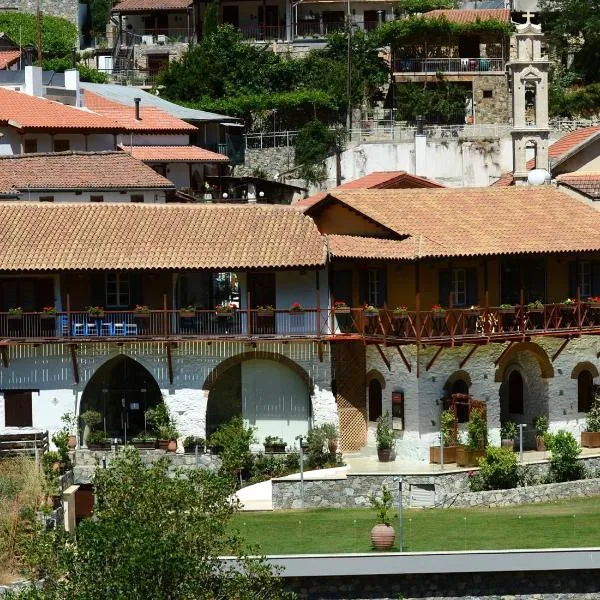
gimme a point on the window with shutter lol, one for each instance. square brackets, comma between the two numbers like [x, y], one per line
[17, 408]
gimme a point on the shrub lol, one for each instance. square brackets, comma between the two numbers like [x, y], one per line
[91, 418]
[384, 507]
[96, 437]
[477, 431]
[316, 454]
[447, 427]
[61, 440]
[498, 470]
[592, 421]
[235, 439]
[541, 425]
[508, 431]
[564, 463]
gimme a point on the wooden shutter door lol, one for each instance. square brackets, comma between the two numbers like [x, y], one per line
[17, 409]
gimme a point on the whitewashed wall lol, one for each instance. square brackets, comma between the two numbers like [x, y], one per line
[150, 196]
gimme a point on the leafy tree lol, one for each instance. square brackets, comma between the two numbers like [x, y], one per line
[59, 36]
[99, 16]
[565, 451]
[233, 439]
[314, 143]
[422, 6]
[60, 65]
[154, 535]
[211, 19]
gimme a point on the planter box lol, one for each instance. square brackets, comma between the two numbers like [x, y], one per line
[264, 313]
[187, 314]
[468, 458]
[275, 448]
[400, 316]
[101, 446]
[438, 315]
[145, 445]
[590, 439]
[506, 311]
[342, 311]
[141, 315]
[371, 315]
[435, 454]
[192, 449]
[14, 317]
[225, 314]
[47, 316]
[472, 312]
[96, 315]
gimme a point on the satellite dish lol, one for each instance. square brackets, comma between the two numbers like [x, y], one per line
[538, 177]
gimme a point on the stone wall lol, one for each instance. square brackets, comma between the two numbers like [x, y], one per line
[494, 108]
[448, 489]
[67, 9]
[541, 585]
[270, 161]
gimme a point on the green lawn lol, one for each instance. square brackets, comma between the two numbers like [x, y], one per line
[574, 523]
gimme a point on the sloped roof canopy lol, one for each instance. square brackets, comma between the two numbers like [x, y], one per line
[111, 236]
[467, 222]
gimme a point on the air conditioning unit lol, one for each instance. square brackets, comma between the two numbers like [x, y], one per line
[147, 40]
[161, 39]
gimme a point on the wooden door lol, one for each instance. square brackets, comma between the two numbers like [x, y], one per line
[261, 287]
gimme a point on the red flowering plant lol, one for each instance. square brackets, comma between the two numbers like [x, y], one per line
[141, 309]
[226, 308]
[400, 310]
[436, 308]
[594, 300]
[371, 310]
[296, 307]
[49, 310]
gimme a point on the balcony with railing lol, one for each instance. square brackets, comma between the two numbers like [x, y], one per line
[442, 326]
[449, 65]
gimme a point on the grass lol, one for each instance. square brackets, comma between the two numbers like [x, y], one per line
[568, 524]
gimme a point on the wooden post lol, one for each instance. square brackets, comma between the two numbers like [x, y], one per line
[249, 313]
[418, 316]
[165, 316]
[318, 305]
[68, 498]
[521, 308]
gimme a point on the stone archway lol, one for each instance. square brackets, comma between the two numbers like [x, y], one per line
[270, 391]
[538, 354]
[121, 390]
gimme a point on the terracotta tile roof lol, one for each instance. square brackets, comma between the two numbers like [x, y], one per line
[587, 184]
[146, 5]
[68, 236]
[566, 144]
[377, 180]
[470, 15]
[174, 154]
[478, 221]
[78, 170]
[152, 119]
[505, 180]
[353, 246]
[8, 58]
[32, 113]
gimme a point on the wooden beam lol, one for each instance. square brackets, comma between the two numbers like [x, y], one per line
[503, 353]
[435, 356]
[170, 363]
[320, 351]
[463, 362]
[384, 358]
[404, 360]
[73, 348]
[562, 347]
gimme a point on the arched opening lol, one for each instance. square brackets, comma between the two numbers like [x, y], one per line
[515, 393]
[375, 400]
[585, 391]
[271, 396]
[530, 103]
[121, 390]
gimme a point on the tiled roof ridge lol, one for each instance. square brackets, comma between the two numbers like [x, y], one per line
[64, 153]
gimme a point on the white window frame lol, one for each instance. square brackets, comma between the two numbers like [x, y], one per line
[122, 289]
[373, 276]
[584, 278]
[458, 287]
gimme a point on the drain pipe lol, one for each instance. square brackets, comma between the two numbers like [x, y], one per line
[137, 108]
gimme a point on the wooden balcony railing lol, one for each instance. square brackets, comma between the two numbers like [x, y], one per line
[493, 324]
[448, 65]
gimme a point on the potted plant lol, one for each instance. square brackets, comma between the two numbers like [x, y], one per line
[161, 421]
[590, 438]
[274, 444]
[187, 312]
[61, 440]
[567, 305]
[438, 312]
[141, 311]
[447, 428]
[541, 425]
[296, 307]
[90, 419]
[508, 433]
[15, 312]
[191, 442]
[95, 311]
[385, 438]
[469, 454]
[594, 302]
[535, 307]
[332, 435]
[96, 440]
[144, 440]
[167, 437]
[265, 311]
[370, 311]
[506, 309]
[70, 426]
[400, 312]
[341, 308]
[473, 311]
[383, 534]
[48, 312]
[225, 310]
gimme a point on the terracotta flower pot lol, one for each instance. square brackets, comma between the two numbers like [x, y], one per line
[332, 446]
[435, 454]
[72, 442]
[172, 446]
[382, 536]
[539, 443]
[510, 444]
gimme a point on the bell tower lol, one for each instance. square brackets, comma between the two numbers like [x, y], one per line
[529, 79]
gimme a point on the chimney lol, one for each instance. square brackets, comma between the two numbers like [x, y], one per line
[33, 81]
[137, 108]
[72, 83]
[420, 148]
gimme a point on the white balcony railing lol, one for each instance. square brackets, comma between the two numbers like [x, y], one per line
[448, 65]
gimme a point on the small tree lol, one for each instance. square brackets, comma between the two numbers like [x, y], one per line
[498, 470]
[154, 535]
[234, 440]
[565, 451]
[447, 427]
[592, 421]
[384, 507]
[477, 430]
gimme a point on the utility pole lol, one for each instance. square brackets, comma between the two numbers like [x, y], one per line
[39, 32]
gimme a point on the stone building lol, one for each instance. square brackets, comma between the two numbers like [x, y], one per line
[67, 9]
